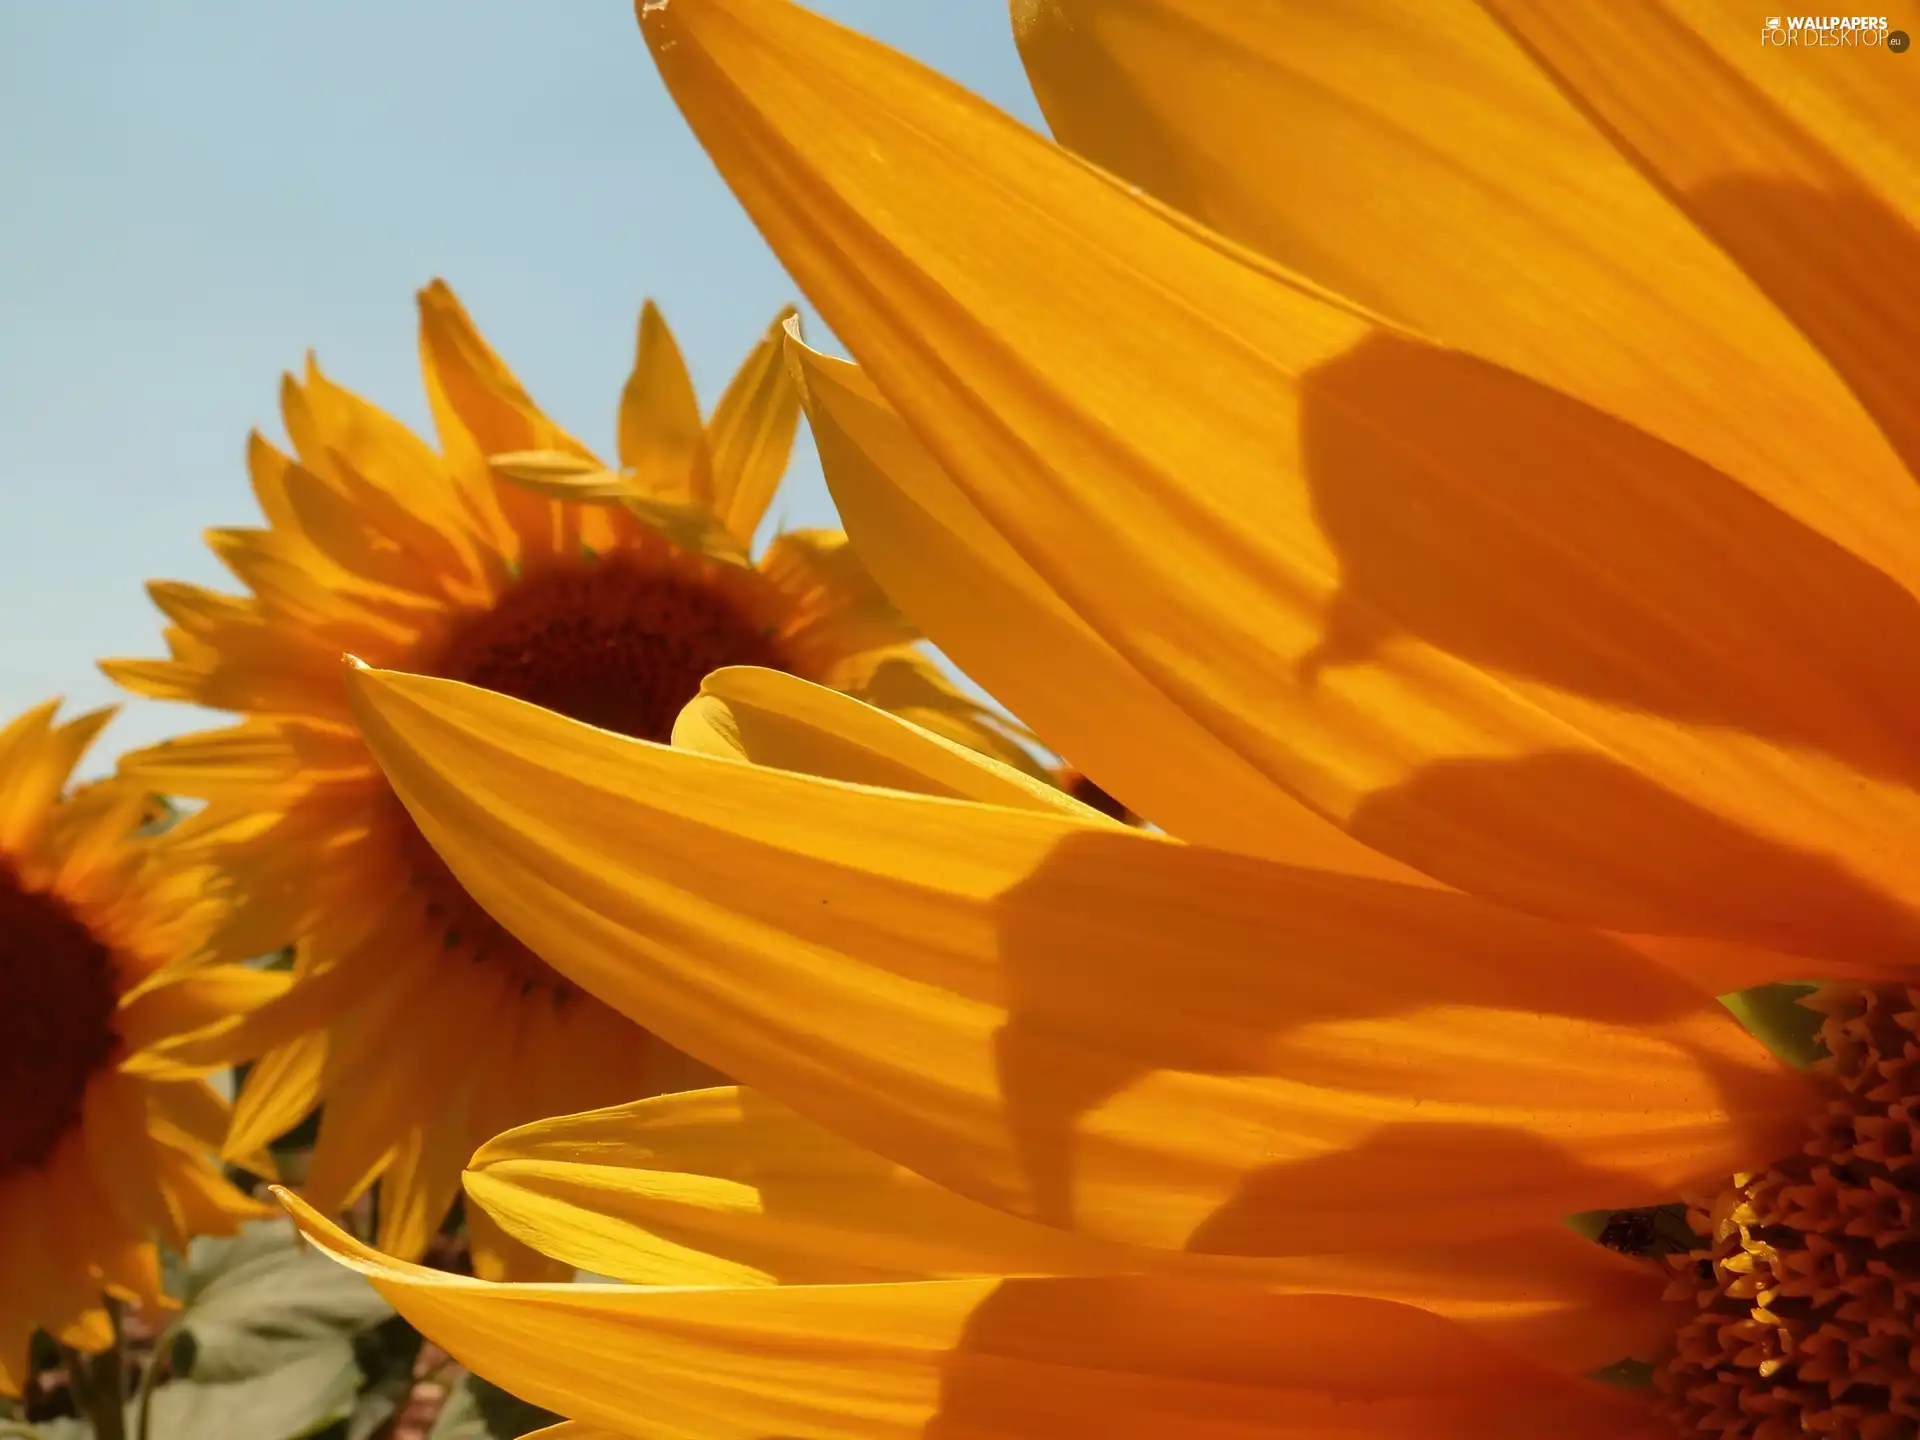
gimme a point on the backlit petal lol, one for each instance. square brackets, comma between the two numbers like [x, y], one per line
[728, 1187]
[751, 433]
[663, 443]
[1134, 1356]
[1644, 696]
[771, 718]
[1448, 184]
[970, 593]
[1798, 161]
[983, 995]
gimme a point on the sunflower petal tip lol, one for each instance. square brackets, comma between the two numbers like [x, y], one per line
[652, 15]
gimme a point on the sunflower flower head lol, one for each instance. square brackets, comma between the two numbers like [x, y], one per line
[510, 559]
[102, 1153]
[1493, 575]
[1804, 1277]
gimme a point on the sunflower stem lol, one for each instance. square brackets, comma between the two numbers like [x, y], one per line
[99, 1381]
[149, 1382]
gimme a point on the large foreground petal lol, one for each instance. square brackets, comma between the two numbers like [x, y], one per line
[1797, 159]
[1447, 183]
[1083, 1023]
[729, 1187]
[1131, 1356]
[970, 592]
[1644, 695]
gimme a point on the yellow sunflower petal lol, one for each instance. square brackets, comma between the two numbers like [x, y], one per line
[1800, 165]
[42, 1287]
[910, 683]
[835, 609]
[195, 1111]
[970, 592]
[253, 762]
[23, 736]
[193, 1000]
[360, 438]
[663, 444]
[728, 1187]
[1119, 1357]
[1514, 230]
[981, 994]
[751, 433]
[282, 1089]
[207, 1204]
[555, 473]
[445, 1060]
[31, 784]
[564, 475]
[235, 1018]
[121, 1147]
[371, 1049]
[770, 718]
[481, 409]
[193, 1108]
[94, 1233]
[1643, 696]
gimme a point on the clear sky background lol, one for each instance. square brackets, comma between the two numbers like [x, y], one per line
[192, 195]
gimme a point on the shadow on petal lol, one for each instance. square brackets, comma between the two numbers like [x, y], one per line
[1647, 859]
[1539, 538]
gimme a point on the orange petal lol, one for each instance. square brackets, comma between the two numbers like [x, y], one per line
[982, 994]
[1123, 1357]
[1646, 696]
[1798, 160]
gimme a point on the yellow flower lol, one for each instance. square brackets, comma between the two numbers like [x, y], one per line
[1490, 554]
[101, 1151]
[422, 1026]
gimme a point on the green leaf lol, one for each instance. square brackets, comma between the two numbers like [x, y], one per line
[311, 1390]
[261, 1298]
[264, 1348]
[63, 1429]
[478, 1409]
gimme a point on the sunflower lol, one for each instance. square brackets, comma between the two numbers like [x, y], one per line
[102, 1151]
[1451, 469]
[422, 1026]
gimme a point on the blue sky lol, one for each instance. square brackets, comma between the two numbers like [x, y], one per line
[197, 194]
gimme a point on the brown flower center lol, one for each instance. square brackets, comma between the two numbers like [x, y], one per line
[57, 999]
[621, 642]
[1806, 1280]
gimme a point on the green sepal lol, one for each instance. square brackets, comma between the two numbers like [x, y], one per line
[1775, 1016]
[1625, 1374]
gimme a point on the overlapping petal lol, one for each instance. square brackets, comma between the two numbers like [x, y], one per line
[729, 1187]
[767, 717]
[1797, 161]
[1125, 1356]
[1539, 246]
[967, 587]
[1644, 694]
[981, 994]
